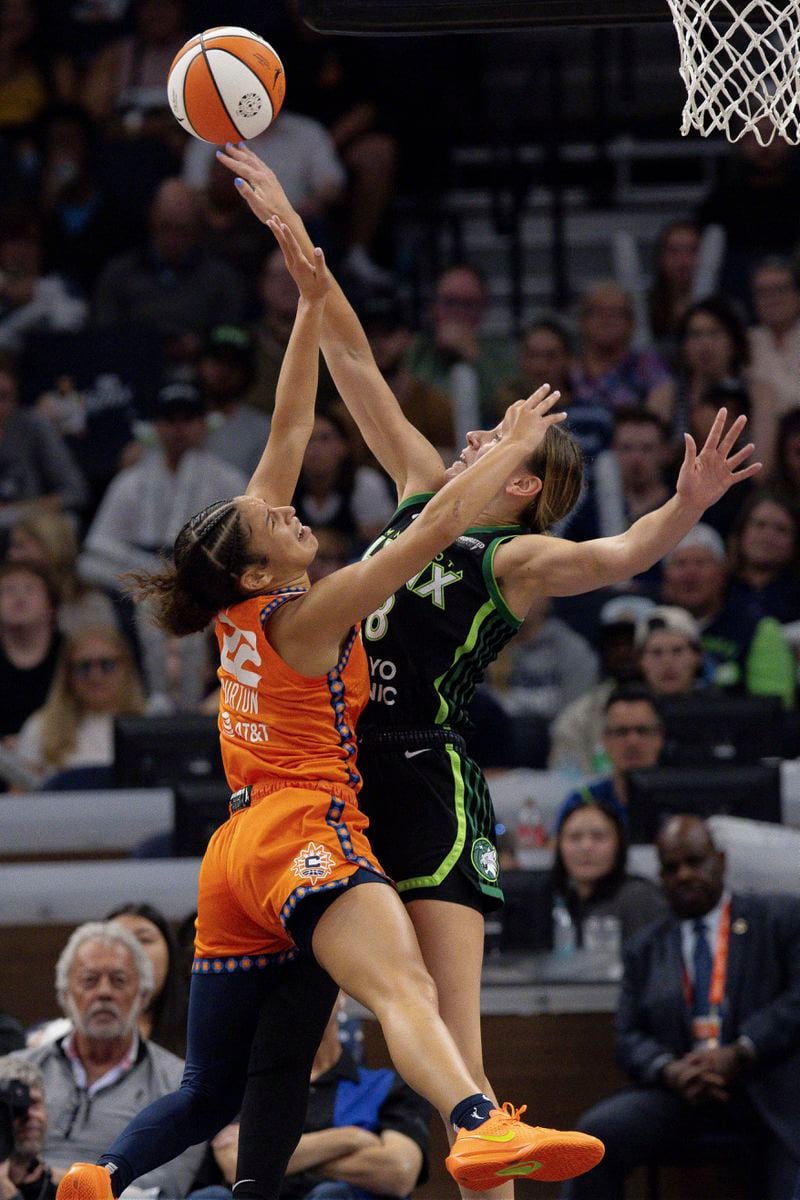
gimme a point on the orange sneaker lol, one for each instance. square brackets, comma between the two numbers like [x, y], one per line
[504, 1147]
[85, 1181]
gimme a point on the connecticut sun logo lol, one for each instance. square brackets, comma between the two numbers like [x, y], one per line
[313, 863]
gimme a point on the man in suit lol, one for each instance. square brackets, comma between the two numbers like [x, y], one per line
[708, 1026]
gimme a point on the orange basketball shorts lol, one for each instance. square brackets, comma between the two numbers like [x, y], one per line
[293, 840]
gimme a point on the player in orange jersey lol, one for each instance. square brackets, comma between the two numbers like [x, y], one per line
[292, 903]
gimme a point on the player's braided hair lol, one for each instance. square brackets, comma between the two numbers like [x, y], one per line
[209, 555]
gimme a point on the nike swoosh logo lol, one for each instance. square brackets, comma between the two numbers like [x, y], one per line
[494, 1137]
[414, 753]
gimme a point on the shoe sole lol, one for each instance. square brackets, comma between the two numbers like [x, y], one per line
[554, 1161]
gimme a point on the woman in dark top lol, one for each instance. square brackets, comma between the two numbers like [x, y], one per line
[589, 875]
[765, 555]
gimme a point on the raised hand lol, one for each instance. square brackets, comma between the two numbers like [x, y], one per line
[527, 421]
[257, 183]
[311, 277]
[706, 476]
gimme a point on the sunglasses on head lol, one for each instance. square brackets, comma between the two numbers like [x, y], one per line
[82, 667]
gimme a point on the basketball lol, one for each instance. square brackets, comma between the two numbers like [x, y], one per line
[226, 85]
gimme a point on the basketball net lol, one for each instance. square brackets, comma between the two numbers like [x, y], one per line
[741, 68]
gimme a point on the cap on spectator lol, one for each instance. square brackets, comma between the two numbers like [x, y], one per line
[625, 610]
[667, 616]
[703, 536]
[179, 399]
[231, 343]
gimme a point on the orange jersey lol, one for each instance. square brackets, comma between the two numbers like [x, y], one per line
[275, 723]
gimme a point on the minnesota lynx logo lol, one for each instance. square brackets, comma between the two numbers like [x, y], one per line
[432, 580]
[484, 859]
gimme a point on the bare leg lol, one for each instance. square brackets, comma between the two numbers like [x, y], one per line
[440, 925]
[366, 943]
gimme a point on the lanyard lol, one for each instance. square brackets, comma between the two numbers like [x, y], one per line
[719, 968]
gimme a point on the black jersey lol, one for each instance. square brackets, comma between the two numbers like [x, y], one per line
[429, 644]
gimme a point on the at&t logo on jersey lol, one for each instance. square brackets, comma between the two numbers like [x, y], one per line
[313, 863]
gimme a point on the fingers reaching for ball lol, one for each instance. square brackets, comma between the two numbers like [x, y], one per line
[311, 277]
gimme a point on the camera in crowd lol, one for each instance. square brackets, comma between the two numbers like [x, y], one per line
[15, 1100]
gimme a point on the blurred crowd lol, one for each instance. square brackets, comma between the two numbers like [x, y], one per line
[143, 318]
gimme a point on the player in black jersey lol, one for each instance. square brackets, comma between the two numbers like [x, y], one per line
[431, 820]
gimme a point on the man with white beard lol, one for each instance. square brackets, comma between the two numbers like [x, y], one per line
[101, 1073]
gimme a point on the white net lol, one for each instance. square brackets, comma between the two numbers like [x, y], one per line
[741, 67]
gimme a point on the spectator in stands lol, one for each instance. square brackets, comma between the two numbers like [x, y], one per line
[627, 481]
[428, 408]
[609, 371]
[544, 668]
[775, 340]
[677, 255]
[170, 285]
[95, 681]
[36, 469]
[670, 654]
[744, 650]
[735, 398]
[49, 539]
[546, 355]
[344, 87]
[228, 234]
[786, 478]
[765, 557]
[237, 432]
[23, 86]
[163, 1020]
[81, 229]
[127, 77]
[334, 550]
[456, 356]
[577, 734]
[146, 504]
[759, 180]
[101, 1073]
[633, 737]
[24, 1175]
[589, 874]
[138, 520]
[31, 301]
[271, 331]
[366, 1133]
[707, 1052]
[29, 642]
[713, 350]
[334, 493]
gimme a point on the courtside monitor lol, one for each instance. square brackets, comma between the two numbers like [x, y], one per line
[705, 728]
[166, 751]
[655, 795]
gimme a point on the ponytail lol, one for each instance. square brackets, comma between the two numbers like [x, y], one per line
[558, 462]
[209, 556]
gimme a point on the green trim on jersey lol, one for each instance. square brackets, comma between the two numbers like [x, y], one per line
[472, 808]
[482, 615]
[444, 869]
[415, 499]
[494, 588]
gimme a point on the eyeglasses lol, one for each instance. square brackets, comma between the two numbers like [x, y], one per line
[621, 731]
[82, 667]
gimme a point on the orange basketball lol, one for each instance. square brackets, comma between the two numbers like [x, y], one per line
[226, 85]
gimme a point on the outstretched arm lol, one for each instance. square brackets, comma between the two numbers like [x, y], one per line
[311, 630]
[275, 477]
[403, 452]
[536, 565]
